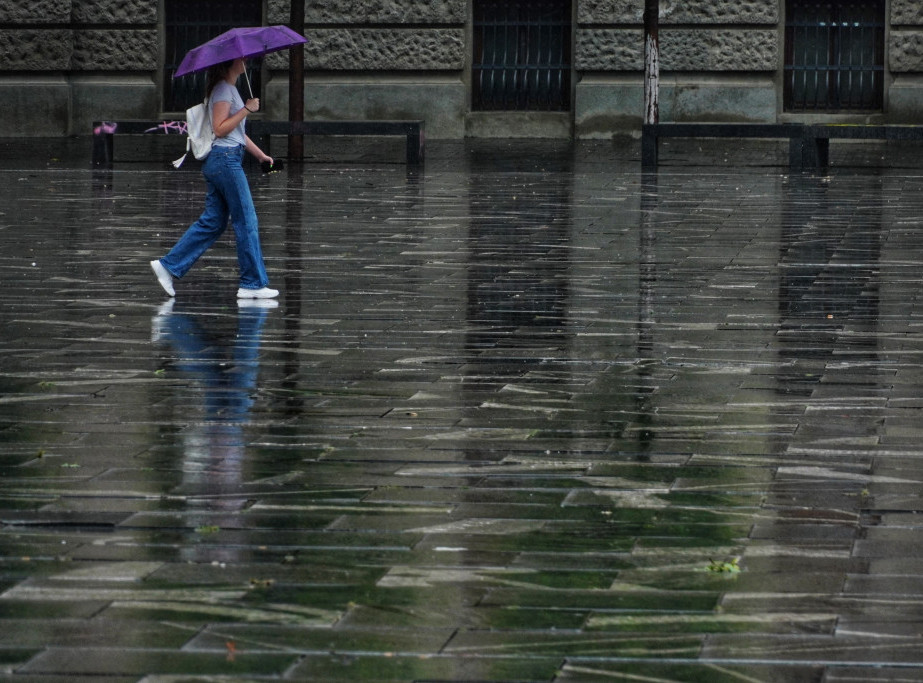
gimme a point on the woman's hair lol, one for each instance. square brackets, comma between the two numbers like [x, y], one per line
[216, 74]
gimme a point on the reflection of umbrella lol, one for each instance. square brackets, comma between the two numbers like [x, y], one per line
[239, 43]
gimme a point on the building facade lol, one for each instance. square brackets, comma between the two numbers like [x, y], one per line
[483, 68]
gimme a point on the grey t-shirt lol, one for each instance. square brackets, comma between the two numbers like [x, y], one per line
[225, 92]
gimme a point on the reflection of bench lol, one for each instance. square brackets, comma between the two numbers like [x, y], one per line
[809, 144]
[412, 130]
[104, 133]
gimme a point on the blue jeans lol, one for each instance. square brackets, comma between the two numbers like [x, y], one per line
[228, 197]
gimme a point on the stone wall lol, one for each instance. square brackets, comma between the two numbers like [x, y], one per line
[726, 53]
[905, 62]
[386, 59]
[65, 63]
[400, 58]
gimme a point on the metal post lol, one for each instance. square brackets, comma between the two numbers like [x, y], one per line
[296, 82]
[651, 61]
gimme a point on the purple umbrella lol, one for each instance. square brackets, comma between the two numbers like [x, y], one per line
[239, 43]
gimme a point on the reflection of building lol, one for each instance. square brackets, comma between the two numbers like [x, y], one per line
[517, 337]
[551, 68]
[828, 287]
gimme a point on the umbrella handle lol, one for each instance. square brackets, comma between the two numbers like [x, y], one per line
[248, 83]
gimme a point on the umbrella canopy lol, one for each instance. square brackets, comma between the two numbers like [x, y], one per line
[239, 43]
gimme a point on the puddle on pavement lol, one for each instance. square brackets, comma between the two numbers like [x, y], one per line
[507, 411]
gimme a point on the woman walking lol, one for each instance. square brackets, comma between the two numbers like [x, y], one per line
[228, 193]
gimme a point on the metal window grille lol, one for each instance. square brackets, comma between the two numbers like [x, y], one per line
[522, 55]
[834, 55]
[192, 22]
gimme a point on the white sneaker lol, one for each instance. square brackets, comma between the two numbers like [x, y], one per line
[262, 293]
[163, 277]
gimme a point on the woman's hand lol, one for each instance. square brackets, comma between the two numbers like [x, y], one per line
[253, 104]
[254, 149]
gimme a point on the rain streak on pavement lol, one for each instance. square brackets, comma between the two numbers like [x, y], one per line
[522, 415]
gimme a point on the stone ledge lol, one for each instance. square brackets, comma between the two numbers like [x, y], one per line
[441, 104]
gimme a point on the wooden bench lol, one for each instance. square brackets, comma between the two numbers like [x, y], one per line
[104, 133]
[413, 131]
[799, 157]
[809, 144]
[821, 134]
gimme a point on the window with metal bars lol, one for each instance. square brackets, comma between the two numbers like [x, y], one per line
[192, 22]
[522, 55]
[834, 55]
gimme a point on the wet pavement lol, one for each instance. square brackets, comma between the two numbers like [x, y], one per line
[520, 415]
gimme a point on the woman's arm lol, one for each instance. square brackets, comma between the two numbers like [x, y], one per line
[222, 121]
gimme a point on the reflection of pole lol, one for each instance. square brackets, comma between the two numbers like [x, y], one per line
[651, 61]
[647, 278]
[296, 81]
[292, 279]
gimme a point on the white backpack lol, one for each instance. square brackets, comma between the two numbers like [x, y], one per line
[200, 135]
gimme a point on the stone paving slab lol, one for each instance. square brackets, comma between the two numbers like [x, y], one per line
[521, 415]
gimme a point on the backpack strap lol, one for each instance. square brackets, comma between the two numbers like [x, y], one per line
[179, 162]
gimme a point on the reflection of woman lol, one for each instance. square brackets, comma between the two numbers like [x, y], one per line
[228, 191]
[217, 366]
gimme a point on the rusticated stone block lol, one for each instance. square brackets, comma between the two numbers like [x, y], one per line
[609, 50]
[681, 11]
[115, 50]
[711, 12]
[610, 12]
[381, 49]
[115, 12]
[906, 12]
[36, 49]
[35, 11]
[680, 50]
[905, 52]
[360, 12]
[722, 50]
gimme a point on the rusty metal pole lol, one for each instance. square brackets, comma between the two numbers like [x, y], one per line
[296, 81]
[651, 61]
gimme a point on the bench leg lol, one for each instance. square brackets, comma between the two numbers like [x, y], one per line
[796, 154]
[809, 153]
[415, 151]
[649, 149]
[102, 149]
[823, 153]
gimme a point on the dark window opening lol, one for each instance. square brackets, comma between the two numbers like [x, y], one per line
[192, 22]
[522, 55]
[834, 55]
